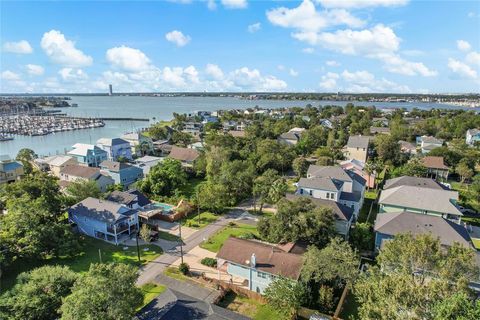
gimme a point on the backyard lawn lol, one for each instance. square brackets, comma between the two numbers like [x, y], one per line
[249, 307]
[193, 220]
[151, 291]
[89, 253]
[215, 242]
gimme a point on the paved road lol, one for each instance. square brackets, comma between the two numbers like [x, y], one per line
[156, 267]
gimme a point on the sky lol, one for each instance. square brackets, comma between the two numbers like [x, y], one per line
[357, 46]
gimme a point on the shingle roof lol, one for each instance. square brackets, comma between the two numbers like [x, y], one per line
[421, 198]
[183, 154]
[100, 210]
[80, 171]
[334, 172]
[269, 258]
[321, 183]
[430, 139]
[351, 196]
[358, 141]
[114, 166]
[58, 161]
[290, 136]
[121, 197]
[403, 222]
[434, 163]
[342, 212]
[112, 141]
[379, 130]
[412, 181]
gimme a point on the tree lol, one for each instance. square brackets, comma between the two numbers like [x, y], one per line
[25, 156]
[336, 263]
[182, 139]
[300, 166]
[458, 306]
[464, 171]
[158, 132]
[273, 155]
[414, 168]
[164, 178]
[413, 274]
[211, 197]
[361, 236]
[388, 149]
[264, 187]
[145, 233]
[79, 190]
[106, 291]
[38, 294]
[285, 295]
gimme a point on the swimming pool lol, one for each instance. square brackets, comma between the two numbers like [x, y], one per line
[163, 206]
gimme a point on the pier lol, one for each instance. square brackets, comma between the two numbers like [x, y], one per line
[124, 119]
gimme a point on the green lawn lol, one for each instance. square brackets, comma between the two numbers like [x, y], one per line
[173, 272]
[151, 291]
[89, 253]
[196, 222]
[249, 307]
[168, 236]
[371, 194]
[291, 187]
[215, 242]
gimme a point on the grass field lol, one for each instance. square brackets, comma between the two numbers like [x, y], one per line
[168, 236]
[173, 272]
[89, 253]
[151, 291]
[215, 242]
[249, 307]
[193, 220]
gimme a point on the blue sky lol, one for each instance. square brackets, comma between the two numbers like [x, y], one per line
[239, 45]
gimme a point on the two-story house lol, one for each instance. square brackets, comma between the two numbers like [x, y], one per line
[359, 168]
[103, 219]
[56, 163]
[436, 168]
[140, 143]
[122, 173]
[10, 170]
[133, 198]
[77, 172]
[116, 148]
[186, 156]
[88, 154]
[472, 137]
[334, 183]
[357, 148]
[428, 143]
[291, 137]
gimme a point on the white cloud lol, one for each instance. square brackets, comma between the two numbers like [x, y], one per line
[333, 63]
[129, 59]
[463, 45]
[63, 51]
[192, 74]
[252, 80]
[395, 64]
[178, 38]
[472, 14]
[22, 47]
[72, 75]
[329, 81]
[462, 69]
[234, 4]
[211, 5]
[355, 4]
[473, 58]
[293, 72]
[34, 70]
[214, 72]
[308, 50]
[306, 19]
[10, 76]
[254, 27]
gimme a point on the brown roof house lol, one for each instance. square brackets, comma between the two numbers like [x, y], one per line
[436, 167]
[82, 173]
[186, 156]
[258, 263]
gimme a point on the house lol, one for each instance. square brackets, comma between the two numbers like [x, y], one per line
[133, 199]
[291, 137]
[140, 143]
[209, 119]
[147, 162]
[199, 146]
[379, 130]
[420, 200]
[258, 263]
[413, 182]
[162, 147]
[334, 184]
[389, 225]
[88, 154]
[103, 219]
[237, 134]
[122, 173]
[326, 123]
[407, 147]
[116, 148]
[358, 167]
[55, 164]
[193, 128]
[82, 173]
[428, 143]
[472, 137]
[185, 155]
[343, 215]
[10, 170]
[436, 167]
[357, 148]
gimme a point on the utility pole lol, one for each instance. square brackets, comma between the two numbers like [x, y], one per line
[138, 248]
[198, 209]
[181, 241]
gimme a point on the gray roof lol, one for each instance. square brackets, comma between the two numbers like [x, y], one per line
[433, 140]
[342, 212]
[121, 197]
[114, 166]
[290, 136]
[406, 222]
[358, 141]
[421, 198]
[351, 196]
[100, 210]
[77, 170]
[473, 132]
[334, 172]
[321, 184]
[412, 181]
[112, 141]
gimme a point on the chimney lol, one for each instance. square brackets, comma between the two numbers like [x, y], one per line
[253, 261]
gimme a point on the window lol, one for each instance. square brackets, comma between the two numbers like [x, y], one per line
[328, 195]
[301, 191]
[262, 275]
[311, 192]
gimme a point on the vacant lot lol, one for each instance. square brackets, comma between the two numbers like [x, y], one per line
[215, 242]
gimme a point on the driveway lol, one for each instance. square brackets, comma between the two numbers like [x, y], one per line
[149, 272]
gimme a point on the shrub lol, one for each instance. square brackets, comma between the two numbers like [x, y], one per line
[326, 298]
[232, 224]
[184, 268]
[209, 262]
[247, 236]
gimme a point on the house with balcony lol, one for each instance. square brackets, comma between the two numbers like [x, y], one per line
[436, 168]
[140, 143]
[472, 137]
[257, 263]
[116, 148]
[133, 198]
[333, 183]
[77, 172]
[88, 154]
[103, 219]
[10, 170]
[428, 143]
[122, 173]
[420, 196]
